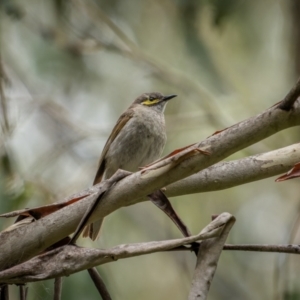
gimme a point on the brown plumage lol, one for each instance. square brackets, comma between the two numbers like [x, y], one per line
[137, 139]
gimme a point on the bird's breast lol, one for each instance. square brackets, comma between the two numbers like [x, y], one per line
[140, 142]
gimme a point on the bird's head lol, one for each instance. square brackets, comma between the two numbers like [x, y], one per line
[154, 100]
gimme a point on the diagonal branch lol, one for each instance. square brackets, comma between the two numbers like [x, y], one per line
[100, 285]
[70, 259]
[289, 100]
[227, 174]
[207, 261]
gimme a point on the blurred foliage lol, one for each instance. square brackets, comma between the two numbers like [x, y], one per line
[72, 67]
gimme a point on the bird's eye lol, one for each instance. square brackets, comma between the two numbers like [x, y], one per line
[151, 98]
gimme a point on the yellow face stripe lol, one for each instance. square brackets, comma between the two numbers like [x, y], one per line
[150, 102]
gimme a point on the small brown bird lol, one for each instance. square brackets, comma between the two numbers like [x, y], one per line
[137, 139]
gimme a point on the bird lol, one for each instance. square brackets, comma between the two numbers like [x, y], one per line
[137, 139]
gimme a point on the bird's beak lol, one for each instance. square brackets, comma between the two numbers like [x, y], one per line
[167, 98]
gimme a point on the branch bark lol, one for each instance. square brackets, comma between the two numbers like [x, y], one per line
[207, 261]
[70, 259]
[228, 174]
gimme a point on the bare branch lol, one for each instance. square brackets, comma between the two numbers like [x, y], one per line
[70, 259]
[4, 292]
[227, 174]
[292, 249]
[100, 285]
[3, 102]
[291, 97]
[287, 248]
[207, 261]
[57, 288]
[23, 292]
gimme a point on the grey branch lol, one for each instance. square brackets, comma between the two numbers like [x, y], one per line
[207, 261]
[291, 249]
[57, 288]
[70, 259]
[227, 174]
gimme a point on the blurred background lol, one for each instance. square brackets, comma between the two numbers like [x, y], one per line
[70, 68]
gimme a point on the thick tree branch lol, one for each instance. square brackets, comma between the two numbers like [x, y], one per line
[70, 259]
[227, 174]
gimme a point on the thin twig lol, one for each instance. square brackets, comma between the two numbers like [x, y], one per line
[3, 99]
[292, 249]
[57, 288]
[23, 292]
[4, 295]
[287, 267]
[289, 100]
[99, 283]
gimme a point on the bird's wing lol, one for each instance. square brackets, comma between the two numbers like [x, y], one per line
[122, 121]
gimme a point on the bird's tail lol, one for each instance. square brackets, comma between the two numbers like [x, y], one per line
[93, 230]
